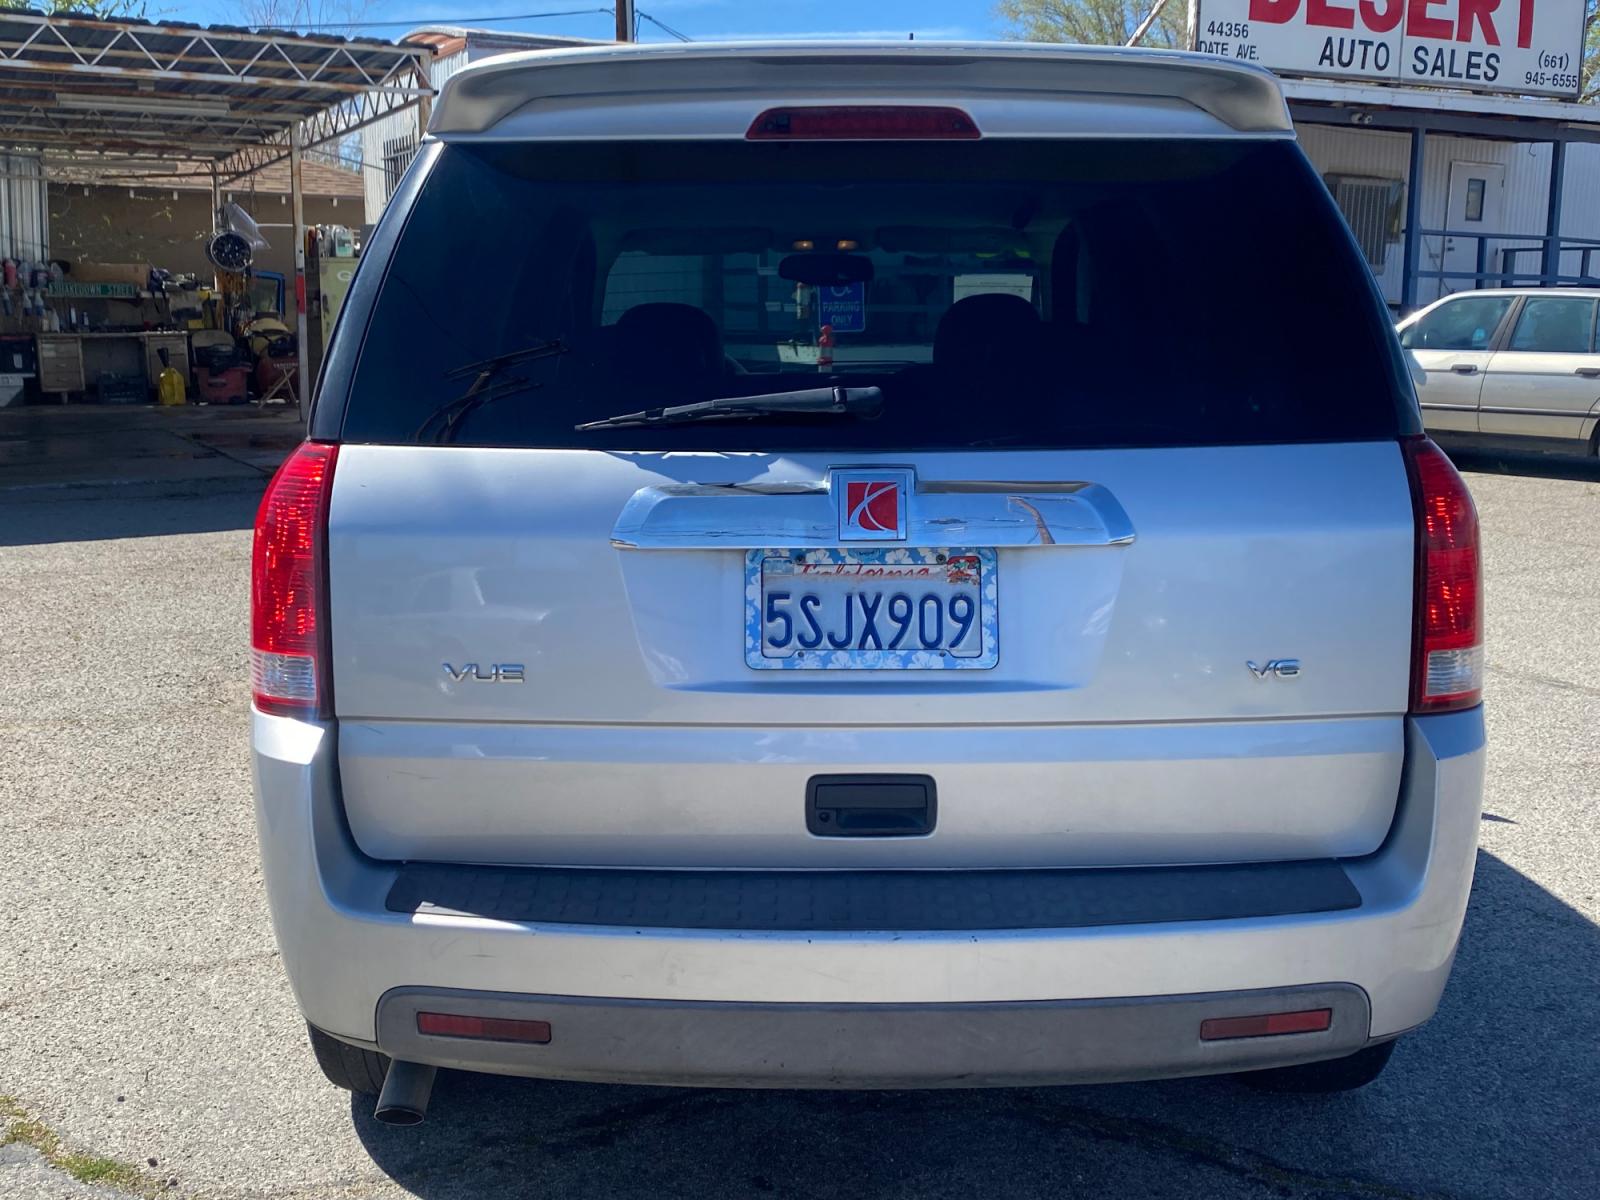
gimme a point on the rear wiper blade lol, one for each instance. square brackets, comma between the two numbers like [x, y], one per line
[855, 402]
[480, 393]
[525, 354]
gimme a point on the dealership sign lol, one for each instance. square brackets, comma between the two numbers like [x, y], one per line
[1522, 46]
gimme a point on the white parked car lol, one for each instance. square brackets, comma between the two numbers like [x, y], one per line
[1043, 679]
[1510, 362]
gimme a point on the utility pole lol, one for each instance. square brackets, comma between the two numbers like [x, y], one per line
[624, 12]
[302, 331]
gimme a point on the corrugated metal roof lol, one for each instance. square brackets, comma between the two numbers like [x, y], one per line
[75, 82]
[318, 178]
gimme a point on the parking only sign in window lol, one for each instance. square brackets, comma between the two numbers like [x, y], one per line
[844, 307]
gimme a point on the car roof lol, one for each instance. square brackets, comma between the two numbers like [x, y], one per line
[714, 90]
[1581, 292]
[1586, 292]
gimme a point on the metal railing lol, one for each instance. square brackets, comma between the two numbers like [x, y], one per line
[1507, 271]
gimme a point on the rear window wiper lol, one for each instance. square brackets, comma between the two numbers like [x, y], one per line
[483, 388]
[854, 402]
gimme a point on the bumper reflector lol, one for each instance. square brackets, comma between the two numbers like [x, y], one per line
[487, 1029]
[1311, 1020]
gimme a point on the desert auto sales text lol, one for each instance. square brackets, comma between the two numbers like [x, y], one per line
[1491, 45]
[1441, 63]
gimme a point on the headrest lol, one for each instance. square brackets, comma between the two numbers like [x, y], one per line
[676, 339]
[973, 328]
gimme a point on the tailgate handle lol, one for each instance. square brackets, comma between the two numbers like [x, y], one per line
[870, 805]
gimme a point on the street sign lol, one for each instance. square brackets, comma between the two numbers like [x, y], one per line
[1526, 47]
[843, 307]
[90, 291]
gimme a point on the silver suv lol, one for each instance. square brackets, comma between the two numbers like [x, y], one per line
[821, 566]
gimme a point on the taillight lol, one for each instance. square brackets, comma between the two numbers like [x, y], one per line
[1447, 644]
[288, 586]
[857, 122]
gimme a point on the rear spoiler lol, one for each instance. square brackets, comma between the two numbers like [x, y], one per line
[709, 90]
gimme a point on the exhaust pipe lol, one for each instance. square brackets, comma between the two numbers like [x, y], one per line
[406, 1088]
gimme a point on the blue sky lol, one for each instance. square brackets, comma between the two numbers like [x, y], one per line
[699, 19]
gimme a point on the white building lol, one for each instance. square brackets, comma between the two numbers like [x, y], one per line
[1448, 131]
[1483, 206]
[389, 145]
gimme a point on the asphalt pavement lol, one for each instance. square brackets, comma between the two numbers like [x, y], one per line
[145, 1021]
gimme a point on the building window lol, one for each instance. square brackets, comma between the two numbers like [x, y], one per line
[1475, 199]
[1371, 208]
[397, 155]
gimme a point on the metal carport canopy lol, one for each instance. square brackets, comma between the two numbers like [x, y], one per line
[88, 91]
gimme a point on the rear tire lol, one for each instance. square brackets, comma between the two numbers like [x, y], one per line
[349, 1067]
[1334, 1075]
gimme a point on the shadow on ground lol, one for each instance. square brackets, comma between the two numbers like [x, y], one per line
[1495, 1097]
[158, 509]
[52, 453]
[1495, 460]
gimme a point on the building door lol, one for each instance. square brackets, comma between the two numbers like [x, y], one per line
[1476, 203]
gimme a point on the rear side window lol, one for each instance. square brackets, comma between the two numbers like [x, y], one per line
[1465, 324]
[1554, 325]
[998, 293]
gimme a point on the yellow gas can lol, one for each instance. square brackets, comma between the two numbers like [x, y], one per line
[170, 385]
[170, 388]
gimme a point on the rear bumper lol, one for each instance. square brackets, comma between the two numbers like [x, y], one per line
[345, 952]
[871, 1045]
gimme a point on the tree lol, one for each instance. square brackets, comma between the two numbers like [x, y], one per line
[1092, 22]
[323, 16]
[338, 17]
[94, 8]
[1591, 55]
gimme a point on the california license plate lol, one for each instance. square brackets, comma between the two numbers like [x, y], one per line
[871, 610]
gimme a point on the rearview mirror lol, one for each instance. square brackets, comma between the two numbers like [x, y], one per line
[826, 269]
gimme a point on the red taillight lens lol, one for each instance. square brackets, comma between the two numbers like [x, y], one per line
[287, 585]
[488, 1029]
[1447, 646]
[1308, 1020]
[864, 122]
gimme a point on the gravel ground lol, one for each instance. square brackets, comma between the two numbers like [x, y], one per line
[144, 1016]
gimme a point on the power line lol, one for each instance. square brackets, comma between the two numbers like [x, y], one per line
[451, 20]
[455, 20]
[663, 26]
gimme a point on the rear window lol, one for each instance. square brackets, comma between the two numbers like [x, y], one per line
[997, 293]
